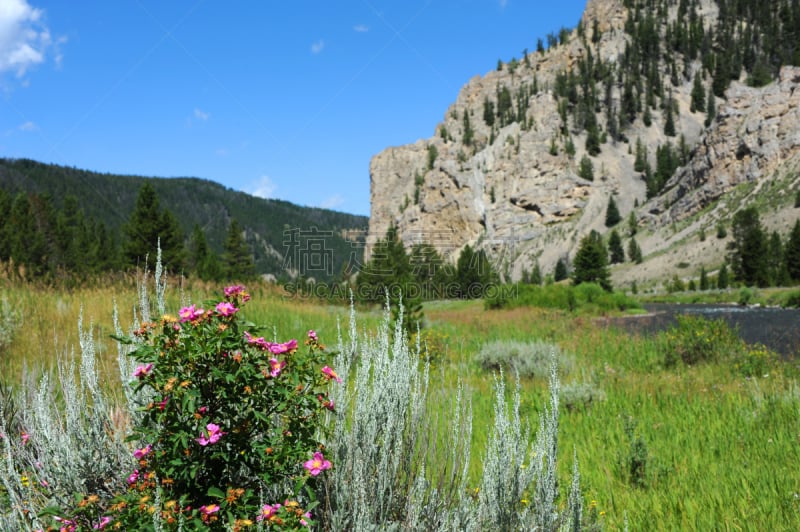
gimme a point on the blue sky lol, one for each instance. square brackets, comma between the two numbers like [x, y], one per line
[286, 100]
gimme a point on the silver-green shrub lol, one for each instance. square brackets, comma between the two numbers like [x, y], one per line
[525, 359]
[384, 442]
[70, 438]
[68, 443]
[580, 394]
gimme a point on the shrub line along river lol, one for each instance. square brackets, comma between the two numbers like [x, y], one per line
[776, 328]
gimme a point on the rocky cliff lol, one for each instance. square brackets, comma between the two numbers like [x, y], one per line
[511, 183]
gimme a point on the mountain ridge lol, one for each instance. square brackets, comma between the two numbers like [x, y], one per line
[504, 169]
[111, 197]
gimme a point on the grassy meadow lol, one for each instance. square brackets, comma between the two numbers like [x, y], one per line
[698, 447]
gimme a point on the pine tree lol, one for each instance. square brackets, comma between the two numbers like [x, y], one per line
[5, 225]
[488, 112]
[142, 227]
[474, 273]
[28, 245]
[69, 226]
[703, 278]
[591, 262]
[748, 250]
[722, 76]
[469, 133]
[640, 163]
[170, 236]
[776, 264]
[593, 139]
[389, 272]
[634, 251]
[202, 259]
[561, 272]
[586, 168]
[616, 254]
[698, 94]
[633, 224]
[104, 251]
[792, 252]
[612, 213]
[237, 259]
[722, 277]
[429, 270]
[669, 120]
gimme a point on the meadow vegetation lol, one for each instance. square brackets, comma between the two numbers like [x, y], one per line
[688, 429]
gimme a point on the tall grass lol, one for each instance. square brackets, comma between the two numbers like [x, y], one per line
[715, 443]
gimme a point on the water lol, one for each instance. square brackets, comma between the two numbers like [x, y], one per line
[776, 328]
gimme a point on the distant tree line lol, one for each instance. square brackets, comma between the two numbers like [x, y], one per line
[420, 274]
[42, 241]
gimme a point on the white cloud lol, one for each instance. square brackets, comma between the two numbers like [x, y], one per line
[28, 126]
[201, 115]
[318, 46]
[24, 39]
[332, 202]
[361, 28]
[263, 188]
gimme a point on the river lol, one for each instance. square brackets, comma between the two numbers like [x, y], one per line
[776, 328]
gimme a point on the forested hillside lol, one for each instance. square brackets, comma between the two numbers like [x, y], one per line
[64, 218]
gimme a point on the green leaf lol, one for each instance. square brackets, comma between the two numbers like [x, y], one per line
[126, 340]
[215, 492]
[51, 511]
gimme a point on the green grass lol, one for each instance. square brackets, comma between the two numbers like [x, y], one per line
[720, 450]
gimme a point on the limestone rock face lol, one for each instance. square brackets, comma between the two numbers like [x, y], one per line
[757, 132]
[512, 187]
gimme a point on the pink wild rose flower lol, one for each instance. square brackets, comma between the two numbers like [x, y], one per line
[104, 521]
[317, 464]
[258, 342]
[213, 434]
[276, 367]
[328, 372]
[268, 512]
[190, 313]
[237, 290]
[209, 509]
[279, 349]
[144, 451]
[312, 334]
[226, 309]
[142, 371]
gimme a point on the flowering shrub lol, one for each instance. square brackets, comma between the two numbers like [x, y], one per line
[230, 437]
[695, 339]
[755, 361]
